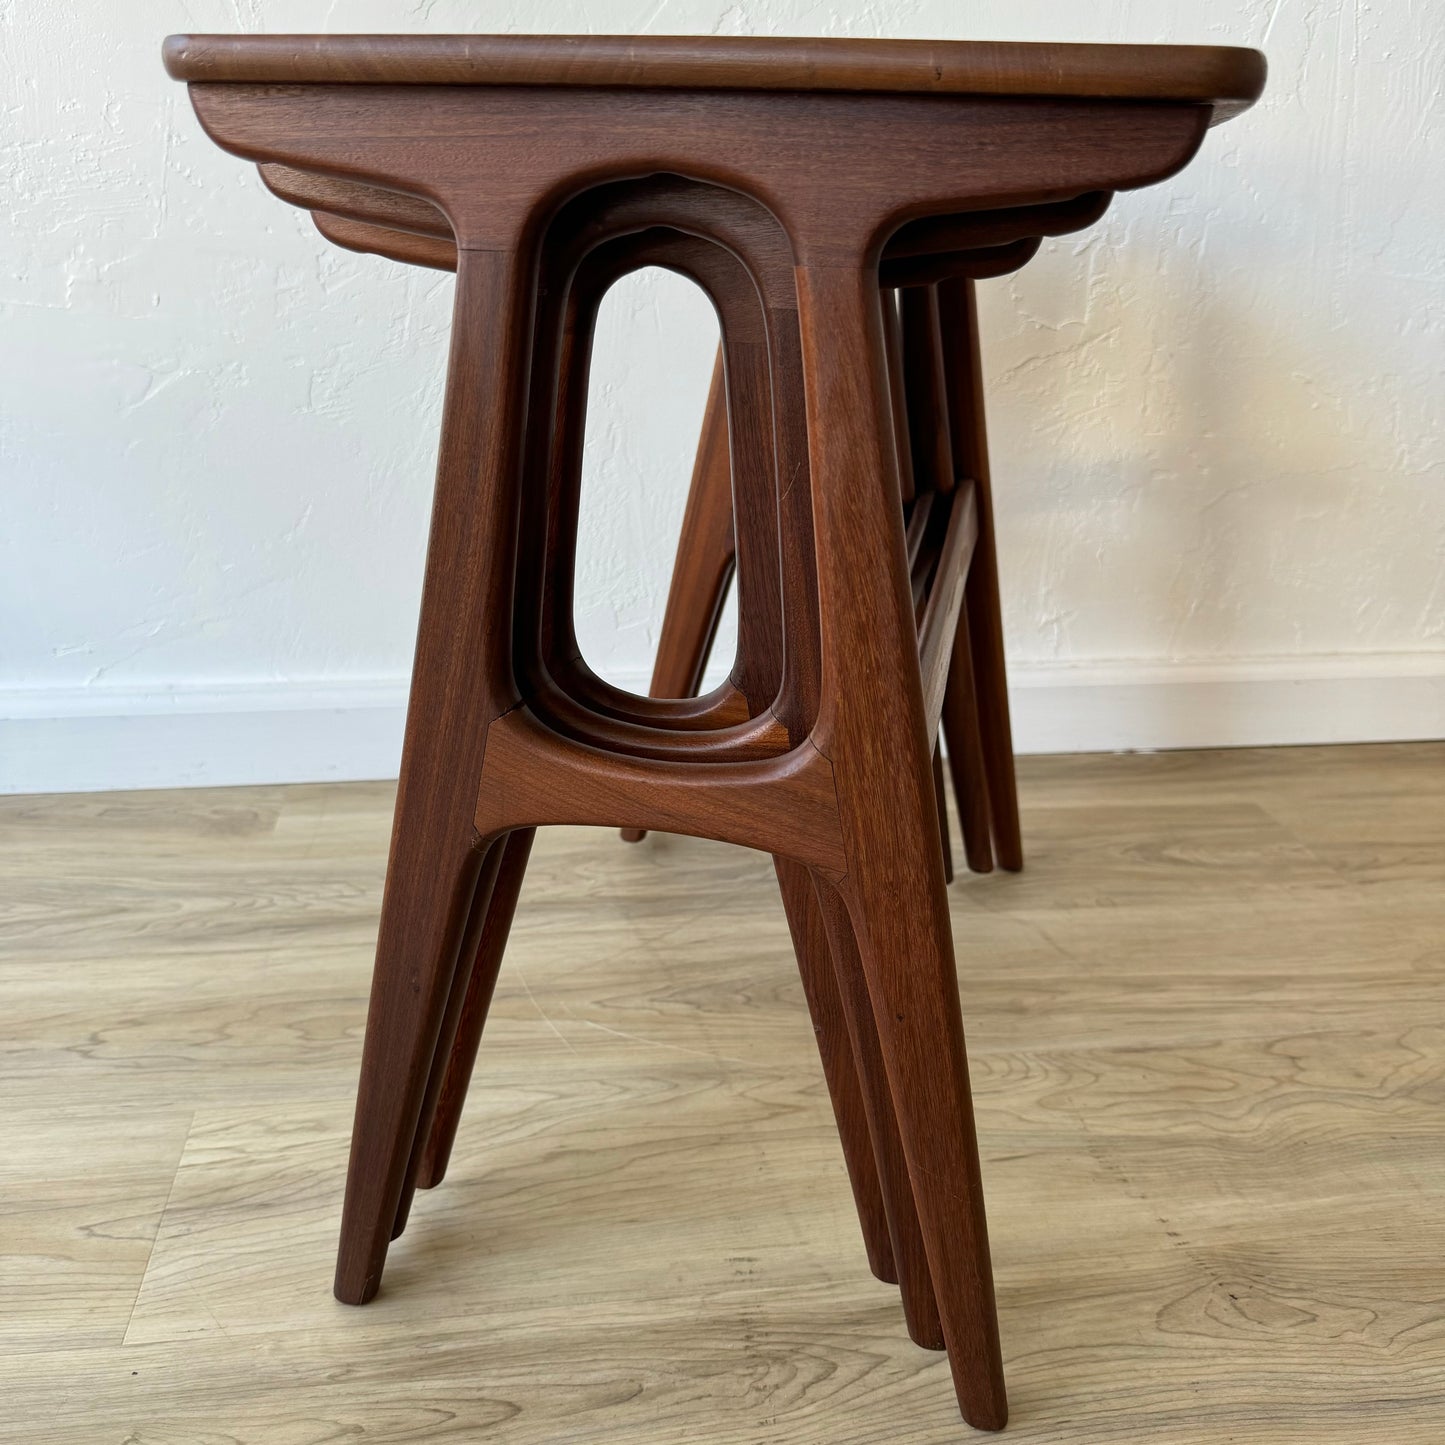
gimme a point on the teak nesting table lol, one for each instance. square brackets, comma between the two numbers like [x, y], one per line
[792, 180]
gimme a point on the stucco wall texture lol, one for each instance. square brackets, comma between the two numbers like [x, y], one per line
[1215, 417]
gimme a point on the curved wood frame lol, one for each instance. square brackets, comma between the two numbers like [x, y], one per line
[401, 228]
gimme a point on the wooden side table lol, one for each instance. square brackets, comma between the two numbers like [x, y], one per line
[541, 152]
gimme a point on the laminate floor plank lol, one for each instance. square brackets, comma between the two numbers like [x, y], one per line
[1207, 1033]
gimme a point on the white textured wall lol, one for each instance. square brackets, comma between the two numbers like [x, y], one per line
[1216, 417]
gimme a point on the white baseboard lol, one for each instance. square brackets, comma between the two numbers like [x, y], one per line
[72, 740]
[108, 739]
[1264, 702]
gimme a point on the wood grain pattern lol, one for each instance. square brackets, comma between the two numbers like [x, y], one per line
[930, 155]
[1226, 77]
[1207, 1031]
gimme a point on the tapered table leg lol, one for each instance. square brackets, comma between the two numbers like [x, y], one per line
[830, 1027]
[461, 681]
[436, 1152]
[874, 733]
[704, 565]
[959, 312]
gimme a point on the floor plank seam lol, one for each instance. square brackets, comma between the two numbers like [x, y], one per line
[160, 1224]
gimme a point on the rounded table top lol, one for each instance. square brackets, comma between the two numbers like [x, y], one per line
[1228, 78]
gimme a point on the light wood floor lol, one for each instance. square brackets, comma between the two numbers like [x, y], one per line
[1207, 1029]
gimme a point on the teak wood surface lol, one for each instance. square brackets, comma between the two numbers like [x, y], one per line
[840, 674]
[1226, 78]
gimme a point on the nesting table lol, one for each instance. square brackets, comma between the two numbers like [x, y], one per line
[790, 179]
